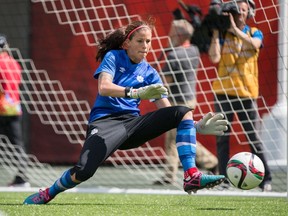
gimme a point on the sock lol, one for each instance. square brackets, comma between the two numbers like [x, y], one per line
[63, 183]
[188, 173]
[186, 144]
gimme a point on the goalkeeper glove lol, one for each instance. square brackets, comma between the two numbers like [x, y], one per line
[154, 91]
[212, 124]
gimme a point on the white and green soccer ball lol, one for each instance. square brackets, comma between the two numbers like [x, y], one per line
[245, 170]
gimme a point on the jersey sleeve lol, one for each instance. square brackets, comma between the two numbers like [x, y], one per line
[257, 34]
[155, 77]
[107, 65]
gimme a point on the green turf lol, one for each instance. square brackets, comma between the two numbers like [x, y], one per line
[131, 204]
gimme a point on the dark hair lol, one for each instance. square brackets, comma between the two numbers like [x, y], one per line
[115, 39]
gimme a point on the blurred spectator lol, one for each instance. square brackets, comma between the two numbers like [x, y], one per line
[10, 106]
[180, 75]
[236, 88]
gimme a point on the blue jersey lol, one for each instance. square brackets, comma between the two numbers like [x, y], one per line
[124, 73]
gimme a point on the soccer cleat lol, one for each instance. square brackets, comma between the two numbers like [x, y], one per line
[199, 181]
[42, 197]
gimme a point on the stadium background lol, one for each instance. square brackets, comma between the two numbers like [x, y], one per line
[68, 58]
[45, 36]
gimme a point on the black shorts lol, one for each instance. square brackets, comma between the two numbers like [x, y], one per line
[106, 135]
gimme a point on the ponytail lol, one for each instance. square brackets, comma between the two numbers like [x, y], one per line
[113, 41]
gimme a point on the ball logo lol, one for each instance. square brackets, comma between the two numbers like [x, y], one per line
[140, 79]
[245, 170]
[257, 173]
[239, 165]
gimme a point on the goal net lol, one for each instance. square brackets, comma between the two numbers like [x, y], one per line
[59, 106]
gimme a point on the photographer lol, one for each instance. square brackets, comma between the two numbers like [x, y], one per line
[236, 87]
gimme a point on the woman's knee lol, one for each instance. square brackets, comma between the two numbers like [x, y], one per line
[188, 115]
[82, 174]
[184, 112]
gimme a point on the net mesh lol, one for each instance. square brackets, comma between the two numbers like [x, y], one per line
[67, 115]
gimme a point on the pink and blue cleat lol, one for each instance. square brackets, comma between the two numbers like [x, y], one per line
[42, 197]
[199, 181]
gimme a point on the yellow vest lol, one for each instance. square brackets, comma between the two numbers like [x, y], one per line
[237, 70]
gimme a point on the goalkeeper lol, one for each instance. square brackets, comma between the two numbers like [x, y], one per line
[124, 79]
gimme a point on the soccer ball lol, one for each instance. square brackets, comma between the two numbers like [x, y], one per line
[245, 170]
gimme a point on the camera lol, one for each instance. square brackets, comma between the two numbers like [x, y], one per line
[218, 8]
[215, 19]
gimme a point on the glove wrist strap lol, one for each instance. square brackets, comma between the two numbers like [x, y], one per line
[128, 92]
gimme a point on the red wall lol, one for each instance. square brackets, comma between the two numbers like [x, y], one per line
[67, 58]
